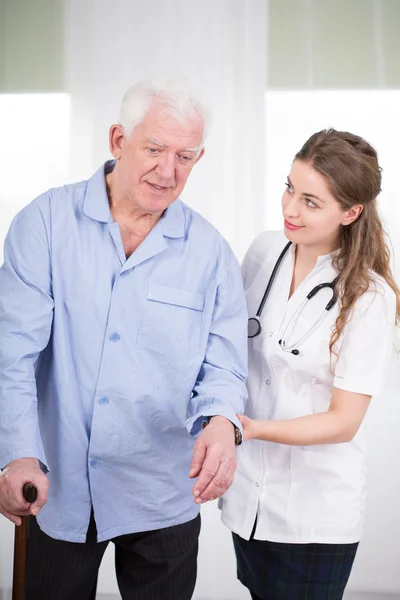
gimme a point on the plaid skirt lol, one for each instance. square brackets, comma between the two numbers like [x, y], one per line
[275, 571]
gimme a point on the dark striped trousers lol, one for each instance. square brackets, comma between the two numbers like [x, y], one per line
[153, 565]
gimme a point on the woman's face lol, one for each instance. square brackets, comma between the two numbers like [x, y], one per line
[312, 216]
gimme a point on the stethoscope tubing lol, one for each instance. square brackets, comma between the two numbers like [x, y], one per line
[272, 279]
[254, 323]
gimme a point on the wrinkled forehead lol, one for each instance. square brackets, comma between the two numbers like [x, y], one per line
[163, 127]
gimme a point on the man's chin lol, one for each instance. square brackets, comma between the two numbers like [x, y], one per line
[157, 205]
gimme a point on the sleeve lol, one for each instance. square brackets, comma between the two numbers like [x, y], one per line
[368, 342]
[247, 267]
[260, 250]
[26, 312]
[220, 388]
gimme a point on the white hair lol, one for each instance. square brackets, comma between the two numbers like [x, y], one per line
[174, 96]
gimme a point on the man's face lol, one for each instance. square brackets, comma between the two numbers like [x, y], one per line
[155, 161]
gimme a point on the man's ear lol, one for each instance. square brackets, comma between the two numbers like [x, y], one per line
[116, 140]
[351, 215]
[200, 155]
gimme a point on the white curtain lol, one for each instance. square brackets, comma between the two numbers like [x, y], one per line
[334, 44]
[338, 66]
[219, 45]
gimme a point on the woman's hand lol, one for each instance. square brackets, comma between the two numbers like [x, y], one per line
[336, 426]
[250, 427]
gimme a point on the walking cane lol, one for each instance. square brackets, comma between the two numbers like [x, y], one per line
[21, 548]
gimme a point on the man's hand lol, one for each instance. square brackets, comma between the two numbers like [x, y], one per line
[214, 460]
[12, 480]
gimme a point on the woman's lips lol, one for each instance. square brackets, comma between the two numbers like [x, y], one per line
[292, 227]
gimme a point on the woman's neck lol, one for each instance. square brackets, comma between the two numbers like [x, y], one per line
[304, 262]
[307, 255]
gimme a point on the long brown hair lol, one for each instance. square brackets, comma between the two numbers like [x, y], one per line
[350, 166]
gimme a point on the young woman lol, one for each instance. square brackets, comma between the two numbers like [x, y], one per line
[323, 306]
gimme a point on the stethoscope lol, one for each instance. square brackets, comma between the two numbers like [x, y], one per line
[254, 323]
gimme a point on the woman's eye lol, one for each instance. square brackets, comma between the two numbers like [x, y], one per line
[288, 187]
[310, 203]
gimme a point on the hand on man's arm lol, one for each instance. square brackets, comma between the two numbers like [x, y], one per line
[220, 389]
[12, 480]
[214, 460]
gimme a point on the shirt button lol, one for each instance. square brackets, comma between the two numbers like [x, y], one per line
[257, 484]
[268, 382]
[104, 400]
[114, 337]
[95, 463]
[271, 333]
[125, 273]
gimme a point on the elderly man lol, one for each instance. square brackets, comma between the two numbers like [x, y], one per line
[123, 344]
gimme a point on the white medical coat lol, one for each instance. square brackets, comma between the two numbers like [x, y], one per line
[311, 493]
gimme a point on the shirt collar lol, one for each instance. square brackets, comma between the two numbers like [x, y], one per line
[323, 259]
[173, 221]
[326, 258]
[95, 205]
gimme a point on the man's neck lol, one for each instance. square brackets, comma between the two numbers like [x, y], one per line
[126, 213]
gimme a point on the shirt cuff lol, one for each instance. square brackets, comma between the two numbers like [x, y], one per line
[8, 458]
[194, 424]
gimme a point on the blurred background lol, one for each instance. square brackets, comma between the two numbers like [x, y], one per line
[274, 72]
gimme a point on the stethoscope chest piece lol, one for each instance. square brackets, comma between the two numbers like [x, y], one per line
[253, 327]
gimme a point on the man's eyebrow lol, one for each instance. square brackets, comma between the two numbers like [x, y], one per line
[161, 145]
[156, 142]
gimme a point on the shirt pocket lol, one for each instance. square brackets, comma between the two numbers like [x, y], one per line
[171, 323]
[326, 489]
